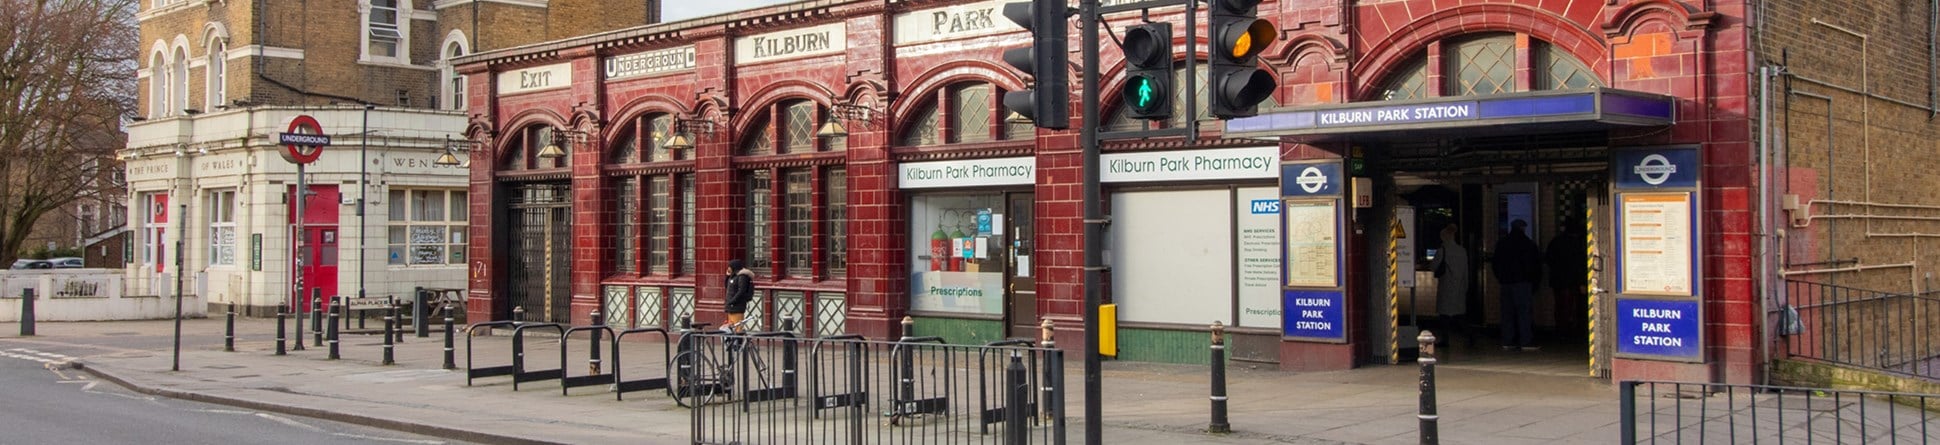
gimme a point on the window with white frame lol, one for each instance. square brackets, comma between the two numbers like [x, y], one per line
[383, 30]
[157, 86]
[222, 227]
[179, 81]
[454, 82]
[427, 227]
[218, 72]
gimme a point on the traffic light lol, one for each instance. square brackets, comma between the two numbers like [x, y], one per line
[1235, 81]
[1148, 66]
[1048, 101]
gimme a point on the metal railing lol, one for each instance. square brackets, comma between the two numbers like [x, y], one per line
[774, 388]
[1679, 413]
[1888, 332]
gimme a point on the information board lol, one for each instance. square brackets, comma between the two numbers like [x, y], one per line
[1657, 244]
[1313, 243]
[1661, 329]
[1315, 315]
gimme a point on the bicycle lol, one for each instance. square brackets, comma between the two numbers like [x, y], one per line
[703, 377]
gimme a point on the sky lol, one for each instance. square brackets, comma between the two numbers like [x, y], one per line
[686, 9]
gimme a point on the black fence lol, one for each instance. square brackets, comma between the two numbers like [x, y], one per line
[773, 388]
[1888, 332]
[1698, 413]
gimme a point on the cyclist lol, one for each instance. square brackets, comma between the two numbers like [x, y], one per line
[740, 291]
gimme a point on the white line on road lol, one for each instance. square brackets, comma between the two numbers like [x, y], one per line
[290, 422]
[387, 439]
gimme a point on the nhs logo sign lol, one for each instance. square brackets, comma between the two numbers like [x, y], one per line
[1266, 206]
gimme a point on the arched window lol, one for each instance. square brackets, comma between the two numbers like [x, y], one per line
[157, 86]
[523, 153]
[975, 115]
[799, 119]
[218, 73]
[179, 81]
[1121, 119]
[1486, 64]
[643, 139]
[454, 83]
[649, 224]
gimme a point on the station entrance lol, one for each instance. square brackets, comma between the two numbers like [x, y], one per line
[1477, 193]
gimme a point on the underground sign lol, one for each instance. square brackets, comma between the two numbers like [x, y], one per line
[304, 141]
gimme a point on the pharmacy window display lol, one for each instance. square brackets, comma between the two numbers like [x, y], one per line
[961, 253]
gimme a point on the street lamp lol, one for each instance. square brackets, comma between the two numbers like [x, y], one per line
[682, 137]
[844, 111]
[552, 149]
[451, 149]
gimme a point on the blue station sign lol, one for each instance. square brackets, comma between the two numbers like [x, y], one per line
[1314, 315]
[1660, 329]
[1596, 106]
[1318, 179]
[1650, 168]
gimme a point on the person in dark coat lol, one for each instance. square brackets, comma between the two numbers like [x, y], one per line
[1565, 259]
[1518, 265]
[740, 291]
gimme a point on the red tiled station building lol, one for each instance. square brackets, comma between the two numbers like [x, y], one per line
[934, 206]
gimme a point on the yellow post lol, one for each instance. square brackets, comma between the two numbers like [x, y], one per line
[1394, 291]
[1108, 330]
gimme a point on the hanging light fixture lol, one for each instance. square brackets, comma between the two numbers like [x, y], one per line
[832, 128]
[446, 159]
[552, 151]
[678, 141]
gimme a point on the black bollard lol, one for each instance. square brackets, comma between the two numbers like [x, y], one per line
[281, 316]
[389, 326]
[397, 321]
[27, 312]
[789, 361]
[1017, 390]
[451, 359]
[1048, 339]
[906, 363]
[332, 336]
[316, 316]
[1219, 422]
[1430, 433]
[229, 330]
[593, 360]
[420, 312]
[297, 319]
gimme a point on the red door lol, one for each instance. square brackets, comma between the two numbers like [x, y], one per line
[317, 259]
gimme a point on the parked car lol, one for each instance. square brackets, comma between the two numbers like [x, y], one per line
[67, 263]
[32, 264]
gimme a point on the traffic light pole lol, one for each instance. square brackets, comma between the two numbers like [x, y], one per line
[1094, 221]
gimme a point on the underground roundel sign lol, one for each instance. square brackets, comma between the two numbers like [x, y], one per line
[304, 141]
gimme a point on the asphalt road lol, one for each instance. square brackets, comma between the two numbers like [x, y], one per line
[43, 403]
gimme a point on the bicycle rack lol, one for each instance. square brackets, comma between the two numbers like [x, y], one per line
[621, 386]
[519, 374]
[905, 402]
[472, 372]
[681, 387]
[567, 383]
[996, 415]
[857, 397]
[789, 388]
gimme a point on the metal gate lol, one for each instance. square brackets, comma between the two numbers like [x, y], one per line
[540, 281]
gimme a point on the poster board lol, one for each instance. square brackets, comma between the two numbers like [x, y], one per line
[1313, 223]
[1313, 242]
[1657, 247]
[1660, 300]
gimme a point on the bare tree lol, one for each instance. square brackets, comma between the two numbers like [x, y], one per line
[67, 72]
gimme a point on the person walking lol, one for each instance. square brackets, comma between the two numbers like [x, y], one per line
[1451, 287]
[1518, 264]
[740, 291]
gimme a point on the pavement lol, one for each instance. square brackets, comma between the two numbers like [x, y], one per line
[1145, 403]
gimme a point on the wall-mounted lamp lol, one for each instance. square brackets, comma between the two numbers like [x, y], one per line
[844, 111]
[684, 132]
[451, 149]
[554, 150]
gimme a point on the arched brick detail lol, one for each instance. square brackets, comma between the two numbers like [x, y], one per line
[1687, 21]
[1311, 71]
[777, 92]
[1387, 55]
[926, 84]
[518, 122]
[643, 105]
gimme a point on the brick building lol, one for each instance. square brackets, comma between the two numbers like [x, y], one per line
[219, 79]
[1622, 135]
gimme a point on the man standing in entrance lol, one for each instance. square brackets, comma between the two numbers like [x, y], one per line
[1451, 287]
[1568, 275]
[740, 291]
[1518, 264]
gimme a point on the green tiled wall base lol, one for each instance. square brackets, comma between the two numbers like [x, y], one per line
[960, 331]
[1163, 346]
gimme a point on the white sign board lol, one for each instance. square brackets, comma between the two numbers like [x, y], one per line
[1657, 244]
[801, 42]
[1259, 257]
[668, 60]
[931, 25]
[538, 78]
[1404, 246]
[968, 173]
[1185, 165]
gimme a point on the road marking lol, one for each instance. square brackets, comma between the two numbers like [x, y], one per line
[290, 422]
[387, 439]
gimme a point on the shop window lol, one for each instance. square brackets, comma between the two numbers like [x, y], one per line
[952, 271]
[222, 227]
[1481, 65]
[760, 191]
[799, 225]
[625, 216]
[1409, 83]
[1560, 71]
[423, 229]
[799, 118]
[835, 255]
[687, 226]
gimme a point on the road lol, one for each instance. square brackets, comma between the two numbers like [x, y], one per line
[44, 402]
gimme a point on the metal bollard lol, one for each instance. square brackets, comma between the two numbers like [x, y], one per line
[419, 313]
[789, 360]
[1017, 390]
[906, 363]
[316, 316]
[1219, 422]
[593, 360]
[332, 336]
[297, 319]
[27, 312]
[1050, 342]
[518, 314]
[389, 326]
[1430, 433]
[229, 330]
[281, 316]
[451, 359]
[397, 321]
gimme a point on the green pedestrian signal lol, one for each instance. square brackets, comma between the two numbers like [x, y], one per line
[1148, 69]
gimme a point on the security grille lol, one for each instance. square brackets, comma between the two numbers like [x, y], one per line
[541, 268]
[648, 306]
[616, 311]
[831, 313]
